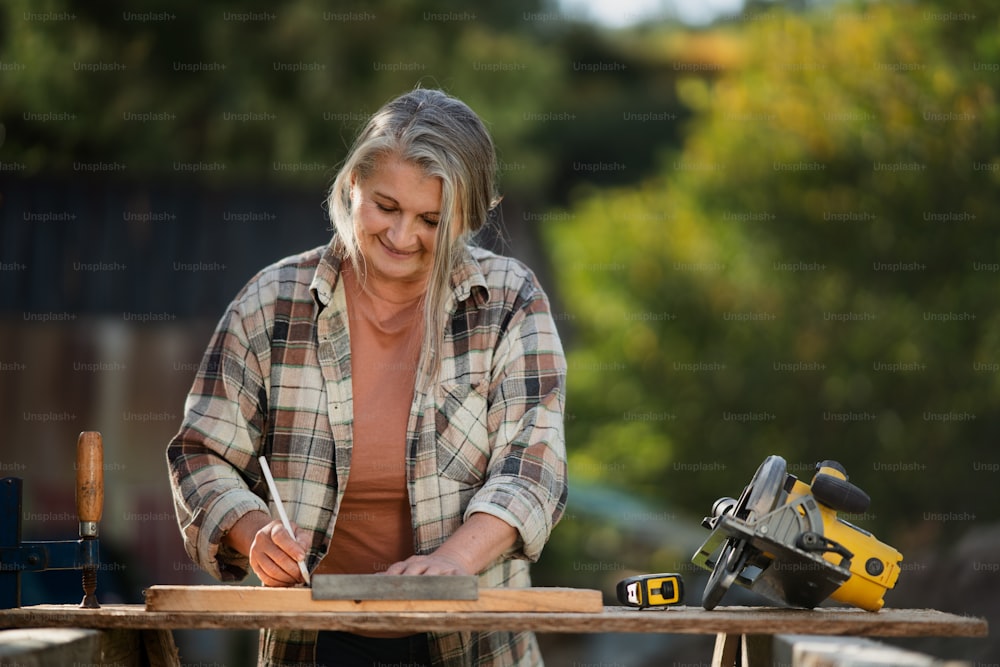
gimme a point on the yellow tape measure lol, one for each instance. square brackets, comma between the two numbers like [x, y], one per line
[651, 590]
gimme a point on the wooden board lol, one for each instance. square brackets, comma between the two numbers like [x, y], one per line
[117, 647]
[49, 646]
[847, 652]
[259, 599]
[672, 620]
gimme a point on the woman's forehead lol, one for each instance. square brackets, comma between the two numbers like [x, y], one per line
[406, 182]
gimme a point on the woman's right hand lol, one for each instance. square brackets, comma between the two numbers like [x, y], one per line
[275, 556]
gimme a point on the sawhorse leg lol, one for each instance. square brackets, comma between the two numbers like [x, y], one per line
[741, 650]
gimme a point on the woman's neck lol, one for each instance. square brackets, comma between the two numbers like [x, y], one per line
[398, 292]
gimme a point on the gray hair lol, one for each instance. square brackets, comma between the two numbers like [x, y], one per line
[445, 138]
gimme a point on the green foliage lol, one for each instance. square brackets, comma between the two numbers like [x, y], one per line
[247, 85]
[277, 93]
[810, 276]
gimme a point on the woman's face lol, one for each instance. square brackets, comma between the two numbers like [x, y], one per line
[397, 209]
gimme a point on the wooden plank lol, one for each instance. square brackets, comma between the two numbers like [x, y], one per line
[815, 651]
[39, 647]
[675, 620]
[259, 599]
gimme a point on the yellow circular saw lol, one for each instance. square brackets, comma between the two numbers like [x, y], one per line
[782, 538]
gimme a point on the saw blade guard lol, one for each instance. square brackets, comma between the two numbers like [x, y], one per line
[727, 554]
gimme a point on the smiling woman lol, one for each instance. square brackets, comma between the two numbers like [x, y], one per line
[406, 387]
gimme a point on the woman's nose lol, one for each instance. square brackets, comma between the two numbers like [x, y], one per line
[402, 232]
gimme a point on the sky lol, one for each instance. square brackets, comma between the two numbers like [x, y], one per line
[618, 13]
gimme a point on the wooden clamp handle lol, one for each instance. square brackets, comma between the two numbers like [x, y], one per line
[89, 481]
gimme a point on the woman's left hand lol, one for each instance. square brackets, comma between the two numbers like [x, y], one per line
[476, 544]
[431, 564]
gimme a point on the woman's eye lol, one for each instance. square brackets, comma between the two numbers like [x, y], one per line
[382, 207]
[430, 221]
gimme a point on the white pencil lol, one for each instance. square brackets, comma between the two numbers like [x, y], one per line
[281, 512]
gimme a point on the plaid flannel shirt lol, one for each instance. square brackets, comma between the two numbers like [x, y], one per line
[486, 437]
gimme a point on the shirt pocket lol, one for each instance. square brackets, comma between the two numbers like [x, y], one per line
[462, 437]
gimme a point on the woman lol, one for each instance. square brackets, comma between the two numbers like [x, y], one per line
[406, 387]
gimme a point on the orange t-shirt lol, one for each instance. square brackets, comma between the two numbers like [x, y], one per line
[373, 527]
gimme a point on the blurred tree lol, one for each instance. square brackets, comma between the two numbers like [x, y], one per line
[810, 276]
[245, 84]
[255, 92]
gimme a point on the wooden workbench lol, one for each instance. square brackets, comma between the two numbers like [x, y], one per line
[669, 620]
[725, 622]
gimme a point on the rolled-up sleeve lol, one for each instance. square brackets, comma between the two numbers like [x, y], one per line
[526, 481]
[216, 446]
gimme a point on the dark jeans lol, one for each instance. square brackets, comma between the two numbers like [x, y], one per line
[343, 649]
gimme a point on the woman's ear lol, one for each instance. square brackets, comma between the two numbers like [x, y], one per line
[352, 190]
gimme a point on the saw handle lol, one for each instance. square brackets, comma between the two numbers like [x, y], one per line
[89, 481]
[830, 487]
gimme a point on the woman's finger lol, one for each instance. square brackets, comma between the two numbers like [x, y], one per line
[286, 542]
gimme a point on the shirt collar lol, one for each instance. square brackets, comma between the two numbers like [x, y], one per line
[467, 279]
[327, 273]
